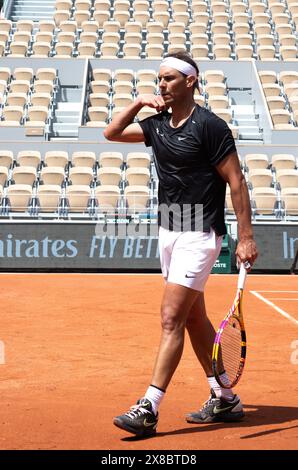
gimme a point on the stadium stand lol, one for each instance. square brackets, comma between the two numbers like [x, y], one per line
[67, 67]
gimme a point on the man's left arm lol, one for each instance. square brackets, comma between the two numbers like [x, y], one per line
[229, 169]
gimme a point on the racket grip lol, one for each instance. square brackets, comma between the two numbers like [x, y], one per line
[242, 276]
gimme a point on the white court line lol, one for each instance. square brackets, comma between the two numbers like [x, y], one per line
[287, 291]
[282, 298]
[271, 304]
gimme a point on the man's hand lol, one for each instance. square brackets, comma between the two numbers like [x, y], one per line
[247, 251]
[153, 101]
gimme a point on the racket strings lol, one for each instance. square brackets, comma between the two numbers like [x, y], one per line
[230, 347]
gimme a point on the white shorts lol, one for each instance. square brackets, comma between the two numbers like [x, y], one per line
[187, 258]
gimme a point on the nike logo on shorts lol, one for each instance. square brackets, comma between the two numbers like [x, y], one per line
[189, 277]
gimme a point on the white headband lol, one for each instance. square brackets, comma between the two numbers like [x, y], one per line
[180, 65]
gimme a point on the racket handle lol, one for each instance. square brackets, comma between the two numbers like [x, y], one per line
[242, 276]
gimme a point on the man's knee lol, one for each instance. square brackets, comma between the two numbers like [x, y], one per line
[171, 319]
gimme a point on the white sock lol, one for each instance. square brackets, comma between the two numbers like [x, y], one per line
[220, 392]
[155, 395]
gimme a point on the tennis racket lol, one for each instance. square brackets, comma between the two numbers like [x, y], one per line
[229, 348]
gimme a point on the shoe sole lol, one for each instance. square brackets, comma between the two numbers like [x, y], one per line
[139, 433]
[216, 419]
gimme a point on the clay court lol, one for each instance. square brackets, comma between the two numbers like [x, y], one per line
[78, 349]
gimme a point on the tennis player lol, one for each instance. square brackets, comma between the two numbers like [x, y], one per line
[195, 156]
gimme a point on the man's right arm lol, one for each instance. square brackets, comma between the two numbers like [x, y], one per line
[122, 128]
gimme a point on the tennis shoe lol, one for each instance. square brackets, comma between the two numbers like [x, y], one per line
[139, 420]
[216, 410]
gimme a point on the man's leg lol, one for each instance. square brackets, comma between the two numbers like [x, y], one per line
[176, 304]
[201, 332]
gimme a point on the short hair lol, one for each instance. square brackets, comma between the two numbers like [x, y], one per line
[185, 56]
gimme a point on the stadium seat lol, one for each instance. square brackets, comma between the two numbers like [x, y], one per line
[29, 158]
[6, 158]
[83, 158]
[137, 198]
[19, 196]
[48, 196]
[264, 200]
[110, 159]
[107, 197]
[81, 175]
[3, 175]
[56, 158]
[287, 178]
[138, 159]
[260, 177]
[109, 175]
[289, 198]
[255, 161]
[281, 161]
[24, 175]
[138, 176]
[52, 175]
[78, 197]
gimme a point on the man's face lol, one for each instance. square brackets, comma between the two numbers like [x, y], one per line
[173, 85]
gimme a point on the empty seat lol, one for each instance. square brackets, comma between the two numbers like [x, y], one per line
[264, 200]
[282, 161]
[107, 197]
[6, 158]
[137, 198]
[138, 159]
[123, 87]
[83, 158]
[98, 115]
[137, 176]
[46, 73]
[29, 158]
[16, 99]
[122, 99]
[41, 49]
[289, 197]
[268, 76]
[19, 86]
[280, 116]
[56, 158]
[214, 76]
[19, 196]
[23, 73]
[86, 50]
[48, 196]
[287, 178]
[81, 175]
[110, 159]
[3, 175]
[43, 86]
[260, 177]
[38, 113]
[219, 102]
[276, 102]
[13, 113]
[41, 99]
[52, 175]
[78, 197]
[109, 175]
[256, 161]
[24, 175]
[5, 73]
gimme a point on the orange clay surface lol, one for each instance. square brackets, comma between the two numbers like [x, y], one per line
[78, 349]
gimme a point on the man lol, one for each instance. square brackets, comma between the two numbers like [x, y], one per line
[195, 156]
